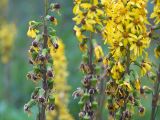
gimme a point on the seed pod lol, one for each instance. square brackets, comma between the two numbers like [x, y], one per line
[51, 107]
[35, 43]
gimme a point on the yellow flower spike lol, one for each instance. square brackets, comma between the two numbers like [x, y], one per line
[7, 36]
[61, 86]
[98, 52]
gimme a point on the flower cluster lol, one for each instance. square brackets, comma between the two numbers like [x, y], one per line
[7, 36]
[40, 57]
[126, 34]
[60, 84]
[156, 12]
[88, 19]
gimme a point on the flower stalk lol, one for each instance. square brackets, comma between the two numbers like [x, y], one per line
[44, 41]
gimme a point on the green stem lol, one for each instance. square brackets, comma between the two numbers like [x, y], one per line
[155, 96]
[127, 71]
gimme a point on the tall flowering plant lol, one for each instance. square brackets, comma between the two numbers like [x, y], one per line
[88, 19]
[126, 35]
[43, 36]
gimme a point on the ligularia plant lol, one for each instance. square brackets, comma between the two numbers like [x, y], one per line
[113, 38]
[127, 37]
[44, 42]
[88, 19]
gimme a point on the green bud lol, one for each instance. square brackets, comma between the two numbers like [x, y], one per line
[94, 104]
[98, 27]
[97, 69]
[127, 78]
[94, 81]
[50, 84]
[36, 69]
[85, 57]
[86, 96]
[51, 99]
[44, 52]
[86, 117]
[81, 103]
[34, 55]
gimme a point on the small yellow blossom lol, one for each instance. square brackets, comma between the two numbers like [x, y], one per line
[157, 52]
[145, 67]
[116, 70]
[98, 52]
[31, 33]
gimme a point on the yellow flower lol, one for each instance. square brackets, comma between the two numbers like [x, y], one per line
[98, 52]
[79, 33]
[60, 84]
[31, 33]
[137, 84]
[127, 86]
[116, 70]
[157, 52]
[156, 12]
[145, 67]
[138, 44]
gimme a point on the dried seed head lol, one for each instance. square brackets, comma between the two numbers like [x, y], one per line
[52, 18]
[35, 43]
[49, 74]
[41, 99]
[51, 107]
[141, 110]
[30, 61]
[92, 91]
[82, 114]
[41, 58]
[57, 6]
[26, 108]
[56, 46]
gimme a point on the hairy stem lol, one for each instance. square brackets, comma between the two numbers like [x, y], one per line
[44, 82]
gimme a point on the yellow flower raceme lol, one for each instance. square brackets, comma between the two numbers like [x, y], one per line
[7, 36]
[126, 35]
[61, 87]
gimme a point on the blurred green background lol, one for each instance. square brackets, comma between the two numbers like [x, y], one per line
[19, 90]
